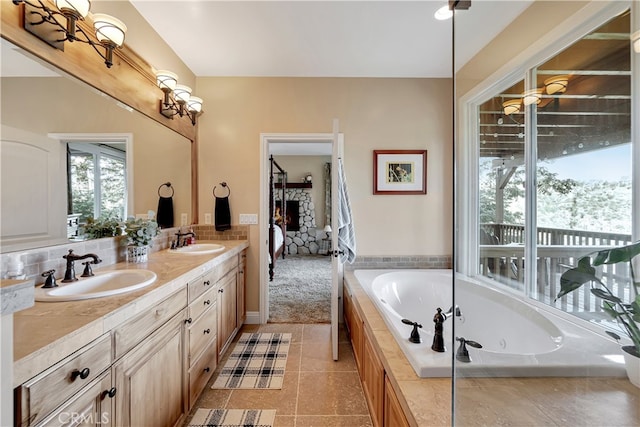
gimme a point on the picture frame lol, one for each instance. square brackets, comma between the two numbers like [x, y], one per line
[398, 172]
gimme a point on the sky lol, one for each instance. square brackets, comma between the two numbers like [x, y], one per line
[610, 164]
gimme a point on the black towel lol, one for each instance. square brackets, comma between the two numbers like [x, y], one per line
[165, 212]
[222, 214]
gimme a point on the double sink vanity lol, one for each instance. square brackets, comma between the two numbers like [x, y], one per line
[133, 345]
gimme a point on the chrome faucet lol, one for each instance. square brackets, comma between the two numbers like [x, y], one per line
[70, 272]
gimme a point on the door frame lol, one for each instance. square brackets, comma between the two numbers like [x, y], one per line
[263, 217]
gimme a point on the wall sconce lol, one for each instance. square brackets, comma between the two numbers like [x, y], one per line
[635, 39]
[532, 96]
[511, 106]
[44, 23]
[556, 84]
[177, 98]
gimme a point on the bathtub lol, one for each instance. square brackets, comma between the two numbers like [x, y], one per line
[518, 339]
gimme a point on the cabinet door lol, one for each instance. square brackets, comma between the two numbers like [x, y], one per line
[150, 379]
[241, 283]
[372, 380]
[227, 311]
[92, 406]
[393, 414]
[356, 337]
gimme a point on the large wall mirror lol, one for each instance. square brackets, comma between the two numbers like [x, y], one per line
[45, 115]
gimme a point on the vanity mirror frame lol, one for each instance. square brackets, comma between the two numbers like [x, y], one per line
[131, 80]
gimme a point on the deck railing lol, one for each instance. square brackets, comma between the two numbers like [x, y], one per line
[556, 249]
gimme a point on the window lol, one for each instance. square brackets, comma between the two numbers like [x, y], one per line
[553, 169]
[97, 180]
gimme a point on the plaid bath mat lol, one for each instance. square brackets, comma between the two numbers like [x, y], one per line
[257, 361]
[233, 418]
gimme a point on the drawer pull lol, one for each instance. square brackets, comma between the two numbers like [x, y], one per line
[111, 393]
[221, 290]
[82, 374]
[241, 271]
[207, 331]
[207, 302]
[160, 312]
[207, 282]
[189, 320]
[207, 369]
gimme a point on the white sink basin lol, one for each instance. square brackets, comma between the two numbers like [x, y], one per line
[198, 249]
[103, 284]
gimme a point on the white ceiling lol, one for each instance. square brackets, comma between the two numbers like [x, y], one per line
[356, 38]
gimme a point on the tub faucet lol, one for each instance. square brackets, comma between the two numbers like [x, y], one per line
[415, 335]
[462, 355]
[70, 272]
[439, 319]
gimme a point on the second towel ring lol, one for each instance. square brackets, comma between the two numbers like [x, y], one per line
[224, 184]
[168, 185]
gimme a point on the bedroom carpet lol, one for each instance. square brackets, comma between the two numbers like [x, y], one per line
[301, 290]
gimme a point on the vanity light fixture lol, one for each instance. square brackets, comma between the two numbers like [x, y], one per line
[533, 96]
[45, 23]
[635, 39]
[556, 84]
[511, 106]
[177, 98]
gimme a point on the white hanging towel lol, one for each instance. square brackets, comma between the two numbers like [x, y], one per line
[346, 232]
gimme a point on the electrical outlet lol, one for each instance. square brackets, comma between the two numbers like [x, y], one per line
[207, 218]
[248, 218]
[183, 219]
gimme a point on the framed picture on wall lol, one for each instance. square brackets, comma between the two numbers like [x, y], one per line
[399, 171]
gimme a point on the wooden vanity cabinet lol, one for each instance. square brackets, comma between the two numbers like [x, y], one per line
[241, 285]
[355, 327]
[227, 310]
[202, 329]
[93, 407]
[393, 413]
[150, 379]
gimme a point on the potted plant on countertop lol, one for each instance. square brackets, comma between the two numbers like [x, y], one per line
[140, 233]
[626, 314]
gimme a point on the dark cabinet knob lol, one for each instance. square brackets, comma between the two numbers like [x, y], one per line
[189, 320]
[207, 331]
[207, 369]
[111, 393]
[82, 374]
[221, 290]
[207, 282]
[207, 302]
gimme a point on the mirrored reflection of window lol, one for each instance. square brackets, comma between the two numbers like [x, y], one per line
[579, 109]
[97, 183]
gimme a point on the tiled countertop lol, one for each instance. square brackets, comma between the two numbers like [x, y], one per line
[50, 331]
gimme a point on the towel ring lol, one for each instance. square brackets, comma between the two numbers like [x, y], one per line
[168, 185]
[224, 184]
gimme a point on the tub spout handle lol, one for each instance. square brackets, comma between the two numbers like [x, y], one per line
[415, 335]
[462, 355]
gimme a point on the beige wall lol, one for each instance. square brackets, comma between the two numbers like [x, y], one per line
[60, 105]
[297, 167]
[373, 114]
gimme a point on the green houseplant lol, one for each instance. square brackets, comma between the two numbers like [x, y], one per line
[626, 314]
[107, 226]
[140, 234]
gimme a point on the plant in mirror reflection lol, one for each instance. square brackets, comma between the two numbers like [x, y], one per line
[106, 226]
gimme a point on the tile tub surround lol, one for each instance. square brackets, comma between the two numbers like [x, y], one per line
[400, 261]
[497, 401]
[48, 332]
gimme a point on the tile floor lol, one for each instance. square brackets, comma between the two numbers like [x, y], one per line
[317, 391]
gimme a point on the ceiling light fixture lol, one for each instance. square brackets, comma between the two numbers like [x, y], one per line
[177, 98]
[532, 96]
[45, 23]
[635, 39]
[511, 106]
[556, 84]
[443, 13]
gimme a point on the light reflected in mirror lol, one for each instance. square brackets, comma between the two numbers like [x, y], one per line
[42, 111]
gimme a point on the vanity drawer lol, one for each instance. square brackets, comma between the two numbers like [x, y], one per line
[42, 394]
[200, 285]
[201, 371]
[127, 335]
[202, 303]
[201, 333]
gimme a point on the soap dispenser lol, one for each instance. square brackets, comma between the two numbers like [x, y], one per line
[15, 267]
